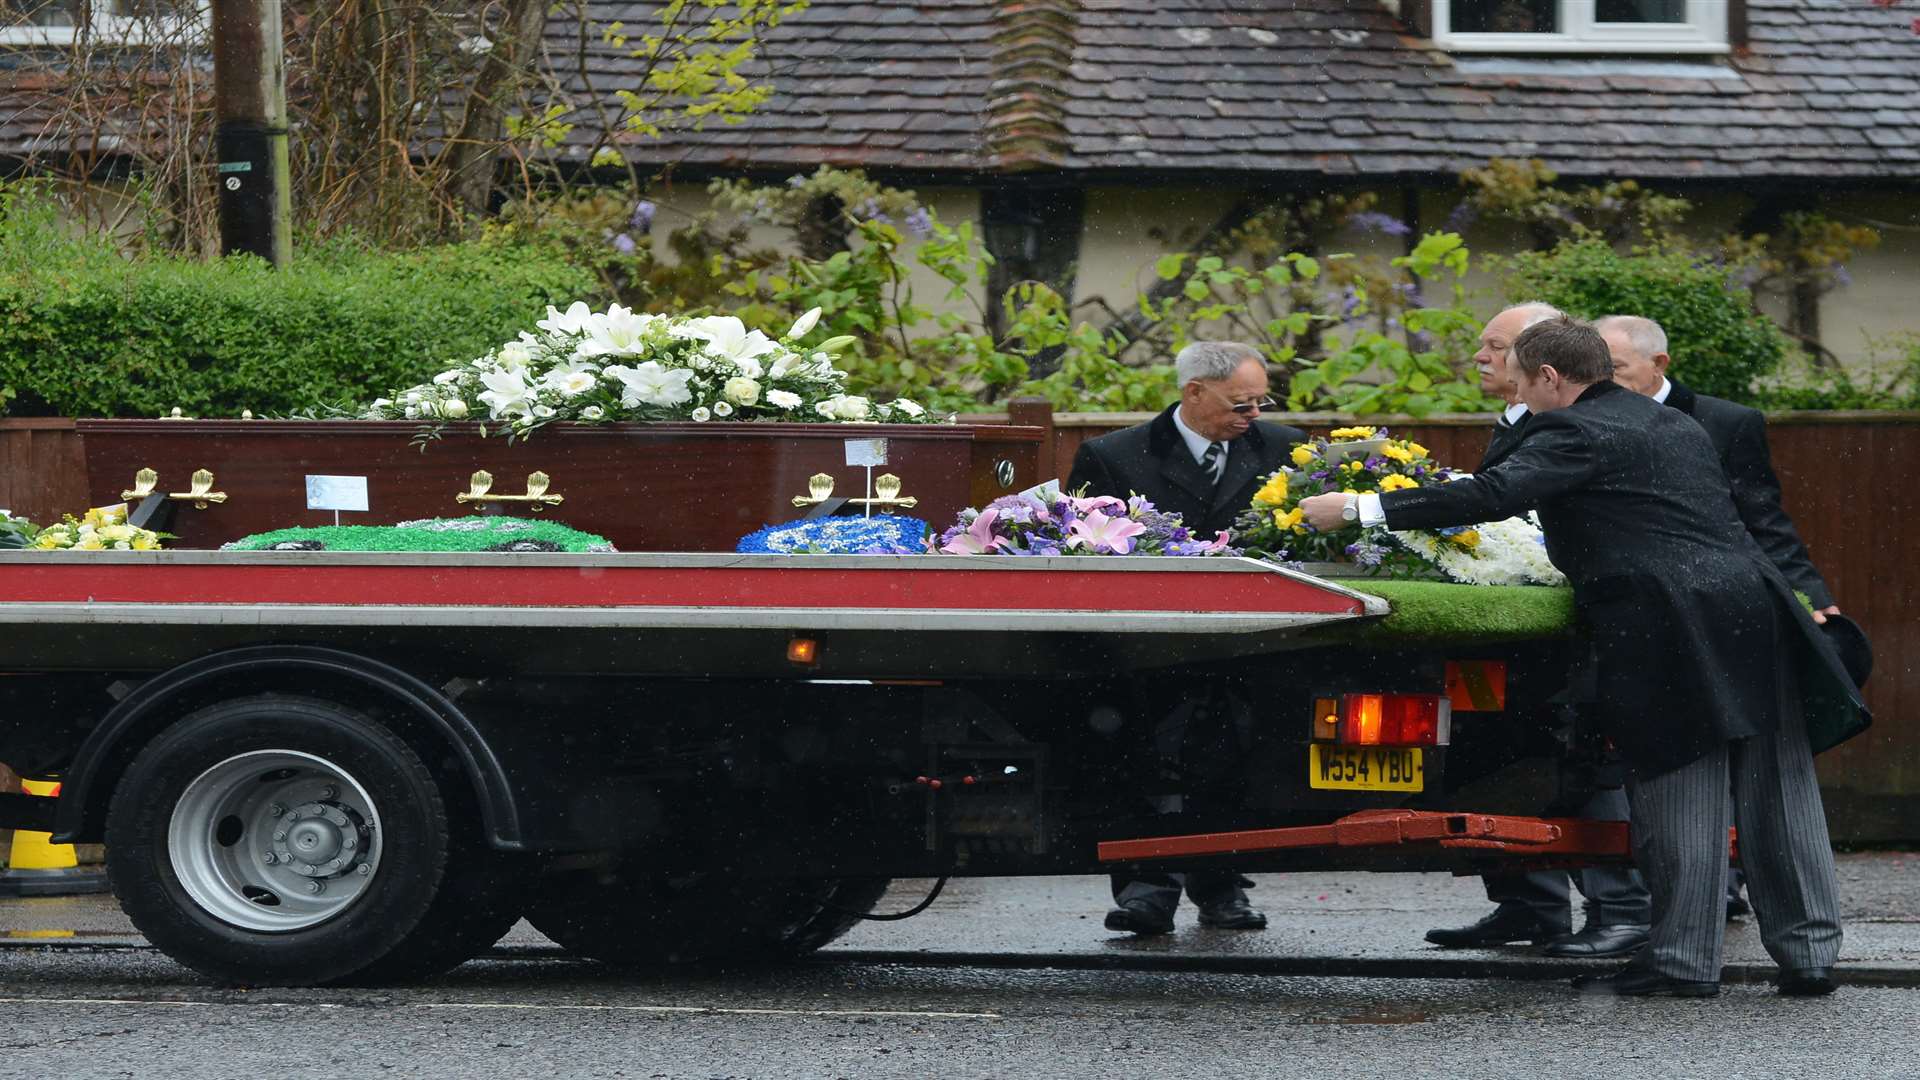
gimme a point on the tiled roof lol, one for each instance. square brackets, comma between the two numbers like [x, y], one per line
[1827, 89]
[1263, 90]
[897, 84]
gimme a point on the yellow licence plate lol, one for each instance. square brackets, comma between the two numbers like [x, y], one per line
[1366, 768]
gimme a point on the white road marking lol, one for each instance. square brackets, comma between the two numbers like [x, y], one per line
[693, 1010]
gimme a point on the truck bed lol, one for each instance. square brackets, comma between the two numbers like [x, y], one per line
[650, 614]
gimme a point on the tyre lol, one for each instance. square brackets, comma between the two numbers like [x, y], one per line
[281, 840]
[632, 918]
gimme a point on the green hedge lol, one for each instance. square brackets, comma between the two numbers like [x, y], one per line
[1718, 343]
[86, 331]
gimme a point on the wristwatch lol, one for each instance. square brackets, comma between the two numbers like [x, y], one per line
[1351, 511]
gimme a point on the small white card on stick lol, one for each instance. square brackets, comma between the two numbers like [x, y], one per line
[337, 493]
[868, 452]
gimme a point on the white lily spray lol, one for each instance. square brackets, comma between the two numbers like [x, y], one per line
[620, 364]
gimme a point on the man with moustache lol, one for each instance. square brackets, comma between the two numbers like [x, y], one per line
[1202, 458]
[1536, 907]
[1699, 646]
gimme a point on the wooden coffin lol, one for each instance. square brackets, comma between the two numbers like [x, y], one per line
[645, 487]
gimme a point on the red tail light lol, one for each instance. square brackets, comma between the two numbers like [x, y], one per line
[1384, 719]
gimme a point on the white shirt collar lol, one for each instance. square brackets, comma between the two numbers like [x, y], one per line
[1515, 411]
[1665, 389]
[1196, 443]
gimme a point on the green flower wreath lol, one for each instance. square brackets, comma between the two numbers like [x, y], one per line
[429, 534]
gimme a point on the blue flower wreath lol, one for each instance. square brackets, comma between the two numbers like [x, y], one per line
[881, 534]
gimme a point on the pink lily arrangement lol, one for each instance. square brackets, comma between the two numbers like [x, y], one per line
[1050, 523]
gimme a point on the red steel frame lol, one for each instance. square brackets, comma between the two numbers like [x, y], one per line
[1545, 838]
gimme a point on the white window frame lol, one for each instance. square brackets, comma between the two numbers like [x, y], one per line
[1704, 33]
[105, 27]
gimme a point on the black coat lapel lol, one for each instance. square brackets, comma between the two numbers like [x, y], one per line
[1505, 437]
[1179, 469]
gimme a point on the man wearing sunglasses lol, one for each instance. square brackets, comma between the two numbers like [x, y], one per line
[1202, 458]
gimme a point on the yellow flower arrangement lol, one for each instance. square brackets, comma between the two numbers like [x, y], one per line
[1273, 492]
[1290, 519]
[1466, 538]
[101, 529]
[1273, 524]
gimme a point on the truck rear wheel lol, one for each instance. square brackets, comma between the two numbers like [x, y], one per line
[632, 918]
[280, 840]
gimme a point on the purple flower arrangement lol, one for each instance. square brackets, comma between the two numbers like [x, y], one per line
[1052, 523]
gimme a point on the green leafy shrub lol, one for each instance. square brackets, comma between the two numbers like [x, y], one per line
[1719, 344]
[87, 331]
[1888, 379]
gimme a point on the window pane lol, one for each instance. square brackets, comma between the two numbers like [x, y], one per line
[1505, 16]
[1641, 11]
[40, 12]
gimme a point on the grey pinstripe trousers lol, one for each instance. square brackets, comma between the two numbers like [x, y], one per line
[1679, 840]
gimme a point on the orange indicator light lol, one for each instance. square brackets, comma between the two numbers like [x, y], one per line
[803, 650]
[1363, 719]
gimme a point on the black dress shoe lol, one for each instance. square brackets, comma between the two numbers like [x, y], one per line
[1601, 942]
[1141, 917]
[1636, 982]
[1234, 914]
[1738, 906]
[1806, 982]
[1503, 927]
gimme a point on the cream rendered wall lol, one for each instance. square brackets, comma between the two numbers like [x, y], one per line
[679, 204]
[1881, 300]
[1884, 297]
[1127, 229]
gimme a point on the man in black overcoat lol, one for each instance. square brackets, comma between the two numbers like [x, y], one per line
[1639, 349]
[1202, 458]
[1537, 906]
[1706, 664]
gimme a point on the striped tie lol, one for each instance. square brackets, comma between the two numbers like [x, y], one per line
[1211, 460]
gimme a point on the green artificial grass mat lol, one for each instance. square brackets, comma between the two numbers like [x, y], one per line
[433, 534]
[1444, 613]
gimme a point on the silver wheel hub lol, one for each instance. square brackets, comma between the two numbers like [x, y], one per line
[275, 840]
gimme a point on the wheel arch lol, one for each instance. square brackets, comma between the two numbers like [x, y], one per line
[331, 674]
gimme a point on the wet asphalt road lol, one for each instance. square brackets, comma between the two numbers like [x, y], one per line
[1000, 979]
[134, 1014]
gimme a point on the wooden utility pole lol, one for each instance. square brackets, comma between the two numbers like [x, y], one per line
[250, 134]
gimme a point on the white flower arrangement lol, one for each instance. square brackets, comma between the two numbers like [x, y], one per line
[599, 367]
[1510, 552]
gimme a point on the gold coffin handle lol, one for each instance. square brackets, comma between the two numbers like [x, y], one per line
[886, 494]
[819, 490]
[480, 486]
[199, 490]
[143, 485]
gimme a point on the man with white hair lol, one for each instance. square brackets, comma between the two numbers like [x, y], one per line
[1496, 342]
[1537, 907]
[1639, 348]
[1202, 458]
